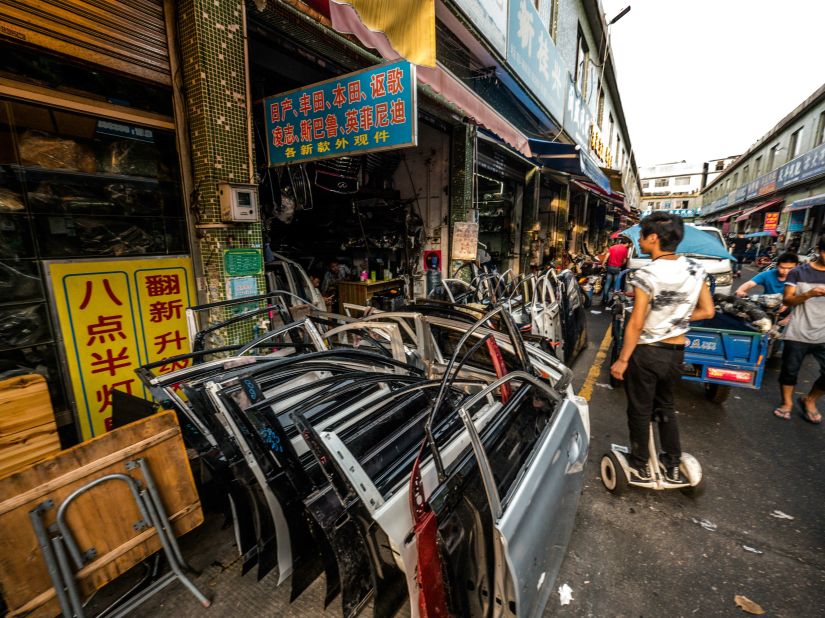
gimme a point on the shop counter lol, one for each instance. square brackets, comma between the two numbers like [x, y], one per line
[361, 292]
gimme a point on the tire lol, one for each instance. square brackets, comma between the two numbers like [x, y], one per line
[717, 393]
[694, 491]
[612, 474]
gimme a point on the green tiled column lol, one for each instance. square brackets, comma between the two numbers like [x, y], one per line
[461, 178]
[211, 39]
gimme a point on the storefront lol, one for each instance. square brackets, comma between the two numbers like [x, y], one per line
[89, 172]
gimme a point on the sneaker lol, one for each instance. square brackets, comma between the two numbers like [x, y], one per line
[641, 474]
[673, 474]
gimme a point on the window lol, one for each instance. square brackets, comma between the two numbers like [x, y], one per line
[662, 182]
[645, 184]
[736, 179]
[553, 24]
[819, 138]
[746, 173]
[772, 157]
[618, 148]
[600, 111]
[610, 131]
[683, 180]
[720, 165]
[685, 203]
[795, 145]
[582, 60]
[757, 167]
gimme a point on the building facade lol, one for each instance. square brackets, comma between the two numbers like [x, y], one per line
[136, 143]
[676, 187]
[778, 185]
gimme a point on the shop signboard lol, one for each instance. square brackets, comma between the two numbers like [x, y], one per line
[490, 17]
[241, 262]
[532, 55]
[465, 240]
[577, 117]
[365, 111]
[771, 221]
[811, 164]
[796, 223]
[114, 316]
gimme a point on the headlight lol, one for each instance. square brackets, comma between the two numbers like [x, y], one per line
[723, 279]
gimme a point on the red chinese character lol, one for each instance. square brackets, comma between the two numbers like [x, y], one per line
[109, 362]
[304, 104]
[277, 136]
[162, 285]
[318, 101]
[106, 286]
[339, 97]
[394, 85]
[163, 310]
[318, 128]
[275, 112]
[104, 395]
[354, 91]
[398, 111]
[382, 118]
[174, 366]
[107, 326]
[365, 116]
[306, 130]
[286, 106]
[378, 85]
[332, 126]
[351, 121]
[289, 134]
[163, 341]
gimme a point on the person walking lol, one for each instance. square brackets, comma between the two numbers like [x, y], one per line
[670, 293]
[805, 335]
[614, 261]
[738, 247]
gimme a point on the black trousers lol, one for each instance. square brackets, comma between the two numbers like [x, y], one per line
[649, 381]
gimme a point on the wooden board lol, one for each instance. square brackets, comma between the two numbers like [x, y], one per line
[28, 432]
[102, 518]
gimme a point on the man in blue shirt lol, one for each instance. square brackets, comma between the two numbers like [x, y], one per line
[773, 281]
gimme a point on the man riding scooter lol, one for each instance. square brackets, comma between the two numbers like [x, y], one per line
[670, 292]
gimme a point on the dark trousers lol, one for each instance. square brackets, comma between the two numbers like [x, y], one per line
[793, 353]
[737, 265]
[649, 380]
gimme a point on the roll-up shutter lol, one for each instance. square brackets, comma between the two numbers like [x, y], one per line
[125, 35]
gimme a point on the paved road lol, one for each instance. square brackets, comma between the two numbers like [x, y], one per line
[644, 554]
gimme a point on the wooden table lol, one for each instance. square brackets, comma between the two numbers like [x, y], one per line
[361, 292]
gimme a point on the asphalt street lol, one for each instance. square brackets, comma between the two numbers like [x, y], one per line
[645, 553]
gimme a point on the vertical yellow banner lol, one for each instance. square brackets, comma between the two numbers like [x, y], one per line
[114, 316]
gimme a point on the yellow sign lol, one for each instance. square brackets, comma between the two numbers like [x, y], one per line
[114, 316]
[601, 149]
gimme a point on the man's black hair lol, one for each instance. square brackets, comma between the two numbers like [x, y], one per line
[820, 243]
[788, 256]
[668, 227]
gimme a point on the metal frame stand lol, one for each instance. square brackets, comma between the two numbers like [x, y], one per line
[62, 555]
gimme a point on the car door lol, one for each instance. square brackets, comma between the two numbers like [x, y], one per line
[534, 506]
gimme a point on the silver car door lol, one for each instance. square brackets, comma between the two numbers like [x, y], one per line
[388, 332]
[534, 516]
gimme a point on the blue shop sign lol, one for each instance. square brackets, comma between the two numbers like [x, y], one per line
[490, 17]
[532, 55]
[811, 164]
[365, 111]
[796, 223]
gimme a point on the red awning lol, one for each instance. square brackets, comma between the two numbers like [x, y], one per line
[728, 216]
[616, 198]
[759, 207]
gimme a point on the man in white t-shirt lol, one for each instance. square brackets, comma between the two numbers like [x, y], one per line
[670, 293]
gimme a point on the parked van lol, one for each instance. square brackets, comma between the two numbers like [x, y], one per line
[719, 268]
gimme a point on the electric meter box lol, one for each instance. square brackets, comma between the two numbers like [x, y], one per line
[239, 203]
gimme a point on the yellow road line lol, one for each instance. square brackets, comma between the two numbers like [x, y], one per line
[593, 375]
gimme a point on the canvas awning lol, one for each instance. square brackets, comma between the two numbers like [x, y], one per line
[570, 159]
[806, 203]
[758, 208]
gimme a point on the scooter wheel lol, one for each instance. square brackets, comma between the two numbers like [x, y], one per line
[612, 474]
[694, 491]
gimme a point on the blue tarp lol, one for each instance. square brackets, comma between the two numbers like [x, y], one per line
[695, 242]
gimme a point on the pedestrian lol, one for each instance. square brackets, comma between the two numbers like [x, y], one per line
[772, 281]
[670, 293]
[805, 335]
[614, 261]
[738, 247]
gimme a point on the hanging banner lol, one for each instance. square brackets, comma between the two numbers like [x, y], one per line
[771, 221]
[365, 111]
[465, 241]
[114, 316]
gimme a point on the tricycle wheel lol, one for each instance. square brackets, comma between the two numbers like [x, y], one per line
[717, 393]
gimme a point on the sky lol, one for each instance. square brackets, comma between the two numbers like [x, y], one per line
[705, 79]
